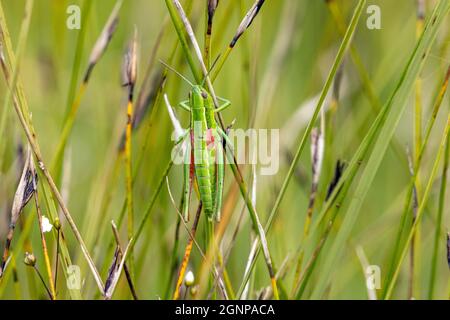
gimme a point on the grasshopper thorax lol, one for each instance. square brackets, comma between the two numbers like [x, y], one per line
[197, 96]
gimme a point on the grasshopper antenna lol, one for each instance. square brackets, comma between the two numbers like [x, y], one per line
[176, 72]
[210, 70]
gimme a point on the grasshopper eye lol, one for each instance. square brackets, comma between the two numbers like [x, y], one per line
[204, 95]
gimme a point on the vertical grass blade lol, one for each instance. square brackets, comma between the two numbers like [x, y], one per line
[420, 211]
[438, 233]
[395, 106]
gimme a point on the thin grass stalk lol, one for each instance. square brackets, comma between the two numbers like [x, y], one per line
[215, 272]
[403, 219]
[249, 286]
[33, 290]
[130, 70]
[190, 32]
[66, 260]
[328, 157]
[219, 232]
[317, 151]
[341, 191]
[76, 65]
[30, 261]
[317, 145]
[211, 247]
[438, 233]
[115, 272]
[147, 211]
[420, 21]
[57, 250]
[125, 267]
[187, 254]
[418, 114]
[52, 291]
[174, 256]
[442, 147]
[244, 25]
[371, 292]
[412, 253]
[211, 8]
[21, 48]
[261, 240]
[43, 241]
[178, 24]
[226, 278]
[9, 60]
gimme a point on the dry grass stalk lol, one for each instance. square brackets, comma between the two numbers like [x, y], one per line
[210, 11]
[103, 40]
[119, 252]
[115, 271]
[317, 150]
[244, 25]
[24, 192]
[41, 228]
[217, 275]
[129, 72]
[187, 254]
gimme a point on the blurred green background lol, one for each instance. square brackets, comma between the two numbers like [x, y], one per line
[279, 64]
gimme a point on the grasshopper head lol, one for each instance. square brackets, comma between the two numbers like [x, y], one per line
[196, 97]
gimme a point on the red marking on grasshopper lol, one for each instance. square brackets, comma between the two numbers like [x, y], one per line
[210, 139]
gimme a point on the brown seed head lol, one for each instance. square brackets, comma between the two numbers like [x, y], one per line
[247, 21]
[25, 189]
[129, 68]
[212, 6]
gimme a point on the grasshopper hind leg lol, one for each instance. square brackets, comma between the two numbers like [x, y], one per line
[187, 181]
[220, 175]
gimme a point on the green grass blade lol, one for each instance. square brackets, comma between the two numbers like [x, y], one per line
[395, 106]
[66, 261]
[438, 232]
[21, 46]
[415, 177]
[420, 211]
[179, 27]
[86, 9]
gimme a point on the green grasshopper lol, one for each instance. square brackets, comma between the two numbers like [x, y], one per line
[203, 156]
